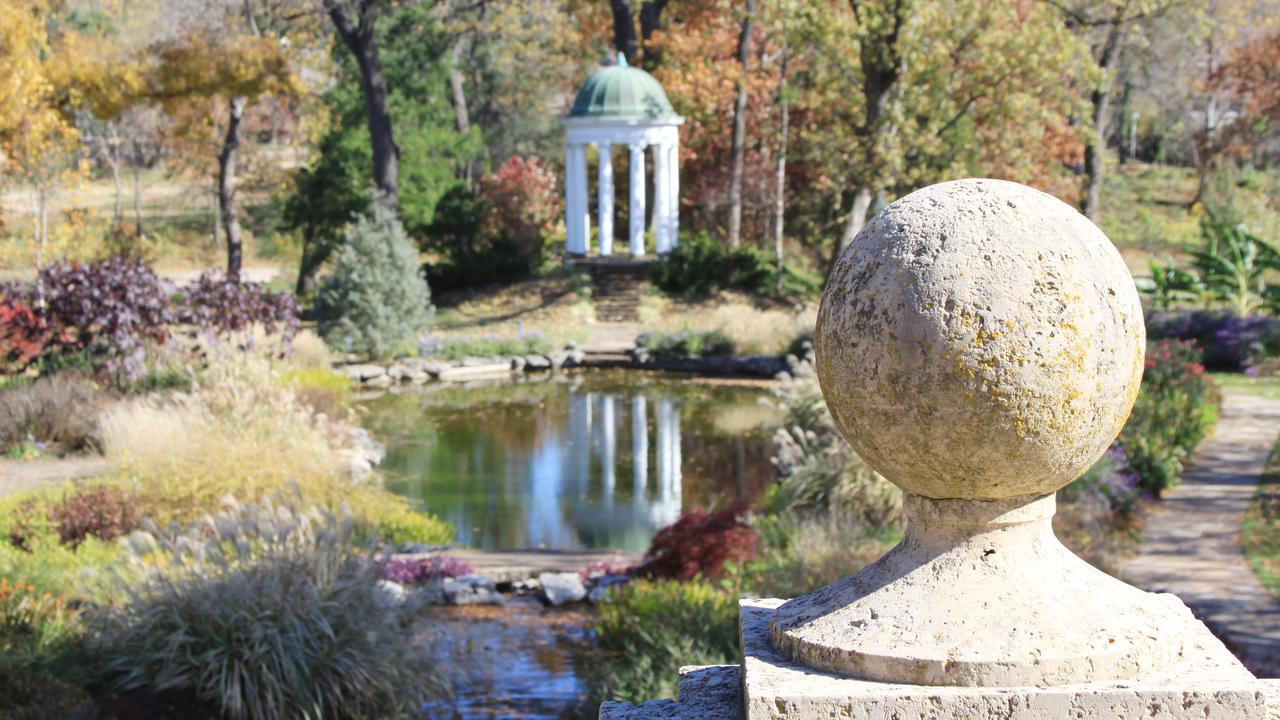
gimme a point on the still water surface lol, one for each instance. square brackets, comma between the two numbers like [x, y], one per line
[593, 459]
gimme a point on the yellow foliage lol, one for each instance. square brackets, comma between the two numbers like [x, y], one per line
[196, 66]
[33, 132]
[88, 70]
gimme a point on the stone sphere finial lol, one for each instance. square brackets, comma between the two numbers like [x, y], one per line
[980, 340]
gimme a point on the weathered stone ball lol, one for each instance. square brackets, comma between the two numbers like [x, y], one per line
[980, 339]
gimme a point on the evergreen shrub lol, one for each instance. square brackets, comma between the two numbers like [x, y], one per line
[376, 299]
[699, 265]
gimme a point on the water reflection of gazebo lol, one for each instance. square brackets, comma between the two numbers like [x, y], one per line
[663, 506]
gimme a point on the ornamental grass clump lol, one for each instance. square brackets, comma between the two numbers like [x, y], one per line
[260, 611]
[820, 474]
[243, 431]
[58, 410]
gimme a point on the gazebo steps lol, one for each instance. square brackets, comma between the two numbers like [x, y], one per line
[617, 288]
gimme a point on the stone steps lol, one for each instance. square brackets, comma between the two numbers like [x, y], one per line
[617, 290]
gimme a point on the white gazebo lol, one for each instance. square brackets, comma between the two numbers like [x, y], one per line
[622, 105]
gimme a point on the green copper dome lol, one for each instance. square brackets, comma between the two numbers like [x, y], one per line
[621, 91]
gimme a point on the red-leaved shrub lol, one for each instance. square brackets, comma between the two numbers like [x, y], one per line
[700, 543]
[522, 206]
[104, 513]
[23, 335]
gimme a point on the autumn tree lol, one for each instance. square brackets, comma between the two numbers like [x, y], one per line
[1112, 28]
[1250, 80]
[901, 93]
[637, 48]
[36, 134]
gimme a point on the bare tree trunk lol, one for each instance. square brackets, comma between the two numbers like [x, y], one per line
[1096, 144]
[624, 30]
[780, 181]
[38, 235]
[856, 220]
[740, 128]
[113, 157]
[137, 195]
[227, 188]
[362, 40]
[882, 65]
[457, 84]
[650, 20]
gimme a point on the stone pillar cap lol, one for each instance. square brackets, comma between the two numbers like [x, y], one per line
[980, 344]
[980, 339]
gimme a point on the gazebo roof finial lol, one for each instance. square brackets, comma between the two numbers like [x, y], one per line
[622, 59]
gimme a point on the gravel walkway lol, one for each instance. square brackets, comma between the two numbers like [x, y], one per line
[19, 475]
[1191, 540]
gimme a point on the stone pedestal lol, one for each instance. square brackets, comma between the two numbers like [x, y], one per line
[980, 345]
[1205, 682]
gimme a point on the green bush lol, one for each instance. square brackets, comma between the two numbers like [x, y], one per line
[686, 343]
[260, 612]
[375, 299]
[1169, 417]
[399, 525]
[700, 265]
[33, 623]
[650, 628]
[491, 346]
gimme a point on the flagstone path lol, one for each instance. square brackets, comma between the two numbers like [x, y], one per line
[1191, 542]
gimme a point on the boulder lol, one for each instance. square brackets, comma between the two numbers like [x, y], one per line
[390, 594]
[365, 372]
[518, 363]
[471, 590]
[382, 381]
[420, 549]
[561, 588]
[473, 372]
[603, 584]
[537, 362]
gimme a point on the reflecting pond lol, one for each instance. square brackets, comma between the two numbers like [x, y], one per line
[586, 460]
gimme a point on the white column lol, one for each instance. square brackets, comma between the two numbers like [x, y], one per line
[604, 199]
[667, 509]
[610, 448]
[673, 194]
[639, 447]
[579, 441]
[570, 246]
[578, 225]
[661, 198]
[636, 190]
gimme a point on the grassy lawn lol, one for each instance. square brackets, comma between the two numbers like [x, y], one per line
[1267, 387]
[1261, 528]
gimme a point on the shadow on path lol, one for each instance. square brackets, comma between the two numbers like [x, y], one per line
[1191, 542]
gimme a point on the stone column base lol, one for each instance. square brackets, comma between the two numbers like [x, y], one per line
[1207, 684]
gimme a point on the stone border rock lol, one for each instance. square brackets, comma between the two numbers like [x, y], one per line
[552, 589]
[419, 371]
